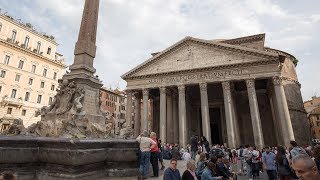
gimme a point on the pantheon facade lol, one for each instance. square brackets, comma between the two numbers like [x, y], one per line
[232, 91]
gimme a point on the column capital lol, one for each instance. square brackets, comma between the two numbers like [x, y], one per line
[162, 90]
[226, 85]
[203, 86]
[250, 83]
[276, 80]
[145, 92]
[181, 89]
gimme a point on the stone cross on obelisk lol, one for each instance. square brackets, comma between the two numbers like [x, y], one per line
[82, 70]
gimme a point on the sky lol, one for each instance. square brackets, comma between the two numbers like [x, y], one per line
[130, 30]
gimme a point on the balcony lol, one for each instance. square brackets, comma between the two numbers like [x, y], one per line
[12, 101]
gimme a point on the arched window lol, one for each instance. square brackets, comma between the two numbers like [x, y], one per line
[49, 50]
[14, 34]
[26, 42]
[38, 46]
[0, 26]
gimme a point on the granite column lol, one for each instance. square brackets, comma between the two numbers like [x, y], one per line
[284, 116]
[182, 117]
[129, 109]
[255, 115]
[205, 112]
[137, 115]
[169, 118]
[163, 115]
[229, 114]
[145, 98]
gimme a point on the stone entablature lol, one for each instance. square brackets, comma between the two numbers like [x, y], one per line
[264, 71]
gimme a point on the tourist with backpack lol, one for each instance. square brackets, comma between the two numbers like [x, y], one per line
[283, 167]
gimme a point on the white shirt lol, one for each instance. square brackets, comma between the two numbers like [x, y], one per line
[145, 143]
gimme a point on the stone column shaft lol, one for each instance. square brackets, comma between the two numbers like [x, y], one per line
[228, 106]
[163, 115]
[175, 119]
[275, 117]
[129, 109]
[137, 115]
[182, 117]
[255, 115]
[235, 117]
[144, 123]
[206, 129]
[169, 118]
[285, 121]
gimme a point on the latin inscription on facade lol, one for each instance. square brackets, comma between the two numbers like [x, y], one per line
[90, 100]
[200, 76]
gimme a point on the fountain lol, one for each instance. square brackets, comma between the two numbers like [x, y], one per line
[72, 140]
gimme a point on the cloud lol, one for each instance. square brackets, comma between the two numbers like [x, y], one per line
[129, 31]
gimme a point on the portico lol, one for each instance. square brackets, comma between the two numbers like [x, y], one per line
[224, 92]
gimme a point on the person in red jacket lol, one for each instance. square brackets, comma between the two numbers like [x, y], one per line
[154, 155]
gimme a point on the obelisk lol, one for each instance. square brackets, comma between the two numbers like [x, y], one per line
[82, 70]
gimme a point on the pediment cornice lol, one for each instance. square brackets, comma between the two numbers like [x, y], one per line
[190, 40]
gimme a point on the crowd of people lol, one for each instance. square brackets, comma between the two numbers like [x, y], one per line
[205, 162]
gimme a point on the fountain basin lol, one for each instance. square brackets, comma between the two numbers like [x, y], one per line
[66, 158]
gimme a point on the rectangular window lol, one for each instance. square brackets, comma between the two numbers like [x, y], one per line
[49, 51]
[13, 93]
[44, 72]
[39, 99]
[13, 37]
[27, 96]
[33, 69]
[3, 74]
[42, 84]
[20, 66]
[17, 77]
[50, 100]
[9, 111]
[54, 75]
[7, 60]
[52, 87]
[24, 112]
[30, 81]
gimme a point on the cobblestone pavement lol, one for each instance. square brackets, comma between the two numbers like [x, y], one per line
[181, 166]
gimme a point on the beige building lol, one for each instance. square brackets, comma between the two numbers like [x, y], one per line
[312, 107]
[234, 91]
[30, 67]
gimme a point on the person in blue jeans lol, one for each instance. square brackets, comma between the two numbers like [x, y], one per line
[146, 144]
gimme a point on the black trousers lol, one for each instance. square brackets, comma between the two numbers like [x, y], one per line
[154, 162]
[272, 174]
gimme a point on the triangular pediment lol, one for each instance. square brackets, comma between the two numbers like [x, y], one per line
[191, 53]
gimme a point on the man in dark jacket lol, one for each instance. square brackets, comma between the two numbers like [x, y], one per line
[194, 146]
[172, 173]
[221, 168]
